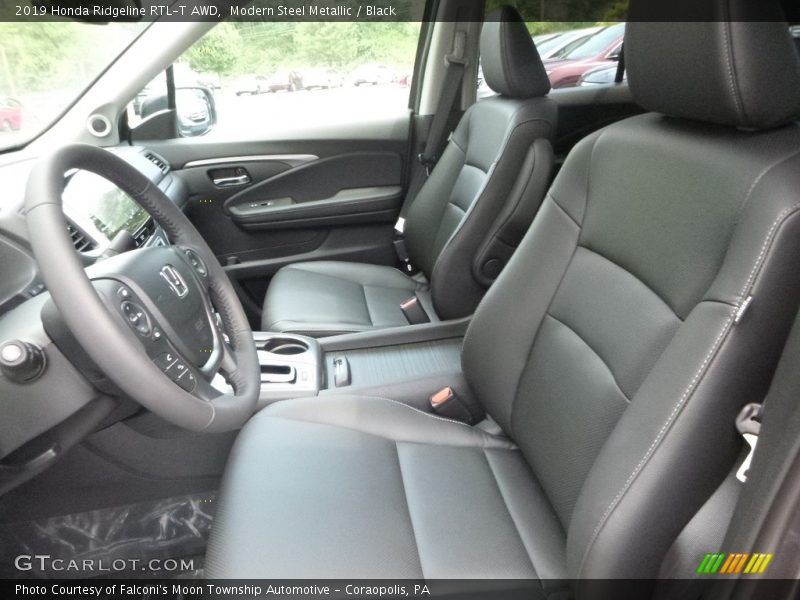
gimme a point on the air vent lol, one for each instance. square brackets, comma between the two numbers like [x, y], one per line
[157, 161]
[145, 233]
[80, 240]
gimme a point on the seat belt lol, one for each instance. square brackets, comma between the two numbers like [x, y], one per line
[694, 556]
[748, 424]
[455, 64]
[620, 75]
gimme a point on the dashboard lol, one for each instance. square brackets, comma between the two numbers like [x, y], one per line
[96, 211]
[41, 418]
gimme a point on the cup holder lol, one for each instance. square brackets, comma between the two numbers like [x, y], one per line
[284, 346]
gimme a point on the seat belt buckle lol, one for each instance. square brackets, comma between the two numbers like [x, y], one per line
[402, 255]
[446, 403]
[748, 423]
[413, 311]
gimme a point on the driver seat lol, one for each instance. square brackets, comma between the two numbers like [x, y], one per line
[648, 302]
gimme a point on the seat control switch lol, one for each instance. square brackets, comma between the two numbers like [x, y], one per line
[341, 372]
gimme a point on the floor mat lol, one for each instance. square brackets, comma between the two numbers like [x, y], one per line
[144, 540]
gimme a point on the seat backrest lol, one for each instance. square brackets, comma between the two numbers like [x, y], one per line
[653, 293]
[460, 204]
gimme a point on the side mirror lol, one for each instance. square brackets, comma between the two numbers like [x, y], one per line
[614, 54]
[195, 112]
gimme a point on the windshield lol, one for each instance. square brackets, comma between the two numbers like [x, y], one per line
[44, 67]
[598, 42]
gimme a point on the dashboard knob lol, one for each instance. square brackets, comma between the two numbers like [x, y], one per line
[20, 361]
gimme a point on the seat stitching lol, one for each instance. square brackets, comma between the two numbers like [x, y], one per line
[659, 436]
[504, 51]
[508, 510]
[729, 61]
[366, 304]
[762, 174]
[595, 352]
[300, 267]
[476, 167]
[408, 507]
[782, 217]
[455, 143]
[561, 208]
[636, 277]
[760, 260]
[533, 343]
[454, 205]
[558, 286]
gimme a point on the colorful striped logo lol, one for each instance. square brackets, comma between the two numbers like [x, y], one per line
[728, 563]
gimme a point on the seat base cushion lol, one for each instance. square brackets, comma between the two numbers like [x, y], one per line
[330, 297]
[360, 487]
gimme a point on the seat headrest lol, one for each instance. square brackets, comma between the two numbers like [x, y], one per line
[738, 67]
[511, 63]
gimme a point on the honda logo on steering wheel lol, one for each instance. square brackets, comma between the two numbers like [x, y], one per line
[175, 281]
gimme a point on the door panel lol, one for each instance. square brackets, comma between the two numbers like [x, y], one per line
[345, 189]
[263, 205]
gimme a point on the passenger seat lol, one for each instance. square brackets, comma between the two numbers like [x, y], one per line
[464, 223]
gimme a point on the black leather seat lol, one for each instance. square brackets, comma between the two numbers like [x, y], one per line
[460, 228]
[648, 302]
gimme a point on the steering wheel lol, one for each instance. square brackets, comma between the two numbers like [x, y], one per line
[147, 318]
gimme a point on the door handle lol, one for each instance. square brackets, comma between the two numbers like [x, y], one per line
[232, 181]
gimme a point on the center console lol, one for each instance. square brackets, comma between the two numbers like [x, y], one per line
[406, 364]
[291, 366]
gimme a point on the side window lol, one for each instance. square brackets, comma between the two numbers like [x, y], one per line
[574, 53]
[264, 78]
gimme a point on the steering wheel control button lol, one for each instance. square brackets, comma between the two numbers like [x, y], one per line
[196, 262]
[136, 317]
[186, 381]
[177, 370]
[21, 362]
[35, 289]
[165, 360]
[157, 335]
[123, 293]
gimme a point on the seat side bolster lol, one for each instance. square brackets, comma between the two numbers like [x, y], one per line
[663, 426]
[516, 215]
[553, 234]
[456, 292]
